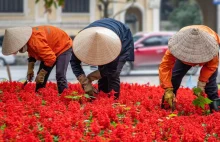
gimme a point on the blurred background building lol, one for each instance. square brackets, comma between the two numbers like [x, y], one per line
[139, 15]
[76, 14]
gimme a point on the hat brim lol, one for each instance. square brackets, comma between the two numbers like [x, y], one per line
[97, 46]
[193, 49]
[15, 38]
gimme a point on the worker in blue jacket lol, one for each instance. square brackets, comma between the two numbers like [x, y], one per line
[108, 44]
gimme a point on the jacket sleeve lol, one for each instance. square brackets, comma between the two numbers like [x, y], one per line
[208, 69]
[76, 66]
[165, 70]
[43, 50]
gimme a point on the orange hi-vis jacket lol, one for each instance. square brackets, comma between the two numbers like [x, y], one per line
[47, 43]
[168, 61]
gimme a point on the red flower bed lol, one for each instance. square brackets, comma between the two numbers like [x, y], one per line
[71, 116]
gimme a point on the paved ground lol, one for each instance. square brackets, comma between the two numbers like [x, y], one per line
[141, 77]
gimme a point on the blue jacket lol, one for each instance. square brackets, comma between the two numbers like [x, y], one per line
[123, 32]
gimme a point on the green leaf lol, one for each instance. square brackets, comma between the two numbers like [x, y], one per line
[197, 91]
[138, 103]
[68, 97]
[55, 4]
[208, 101]
[215, 135]
[55, 138]
[196, 102]
[43, 102]
[74, 93]
[202, 105]
[135, 122]
[36, 1]
[87, 96]
[2, 127]
[180, 113]
[127, 108]
[113, 123]
[40, 127]
[172, 115]
[101, 132]
[49, 4]
[90, 116]
[203, 125]
[120, 115]
[60, 2]
[73, 97]
[201, 101]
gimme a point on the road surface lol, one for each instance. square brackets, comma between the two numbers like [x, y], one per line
[141, 77]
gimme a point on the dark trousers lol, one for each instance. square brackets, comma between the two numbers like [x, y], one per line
[111, 81]
[61, 63]
[179, 71]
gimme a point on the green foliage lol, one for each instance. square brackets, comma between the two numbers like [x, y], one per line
[55, 138]
[49, 3]
[73, 97]
[138, 103]
[114, 124]
[88, 97]
[172, 115]
[43, 102]
[187, 13]
[101, 132]
[197, 91]
[2, 127]
[201, 101]
[40, 127]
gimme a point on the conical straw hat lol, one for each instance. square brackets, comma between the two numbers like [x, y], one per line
[97, 46]
[193, 46]
[15, 39]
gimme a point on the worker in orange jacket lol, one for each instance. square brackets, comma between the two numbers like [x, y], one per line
[50, 45]
[191, 46]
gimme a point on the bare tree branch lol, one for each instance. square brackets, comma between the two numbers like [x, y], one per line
[115, 1]
[119, 12]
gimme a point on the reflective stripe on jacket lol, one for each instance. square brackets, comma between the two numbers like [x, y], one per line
[47, 43]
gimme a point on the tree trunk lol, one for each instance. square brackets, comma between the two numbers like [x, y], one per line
[209, 12]
[123, 10]
[105, 4]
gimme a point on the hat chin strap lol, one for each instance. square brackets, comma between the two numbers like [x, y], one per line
[23, 49]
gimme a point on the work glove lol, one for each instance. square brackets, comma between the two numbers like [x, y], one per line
[201, 85]
[169, 96]
[30, 72]
[86, 85]
[94, 76]
[41, 76]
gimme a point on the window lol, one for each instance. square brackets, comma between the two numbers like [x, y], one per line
[165, 40]
[1, 40]
[136, 38]
[76, 6]
[11, 6]
[156, 40]
[152, 41]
